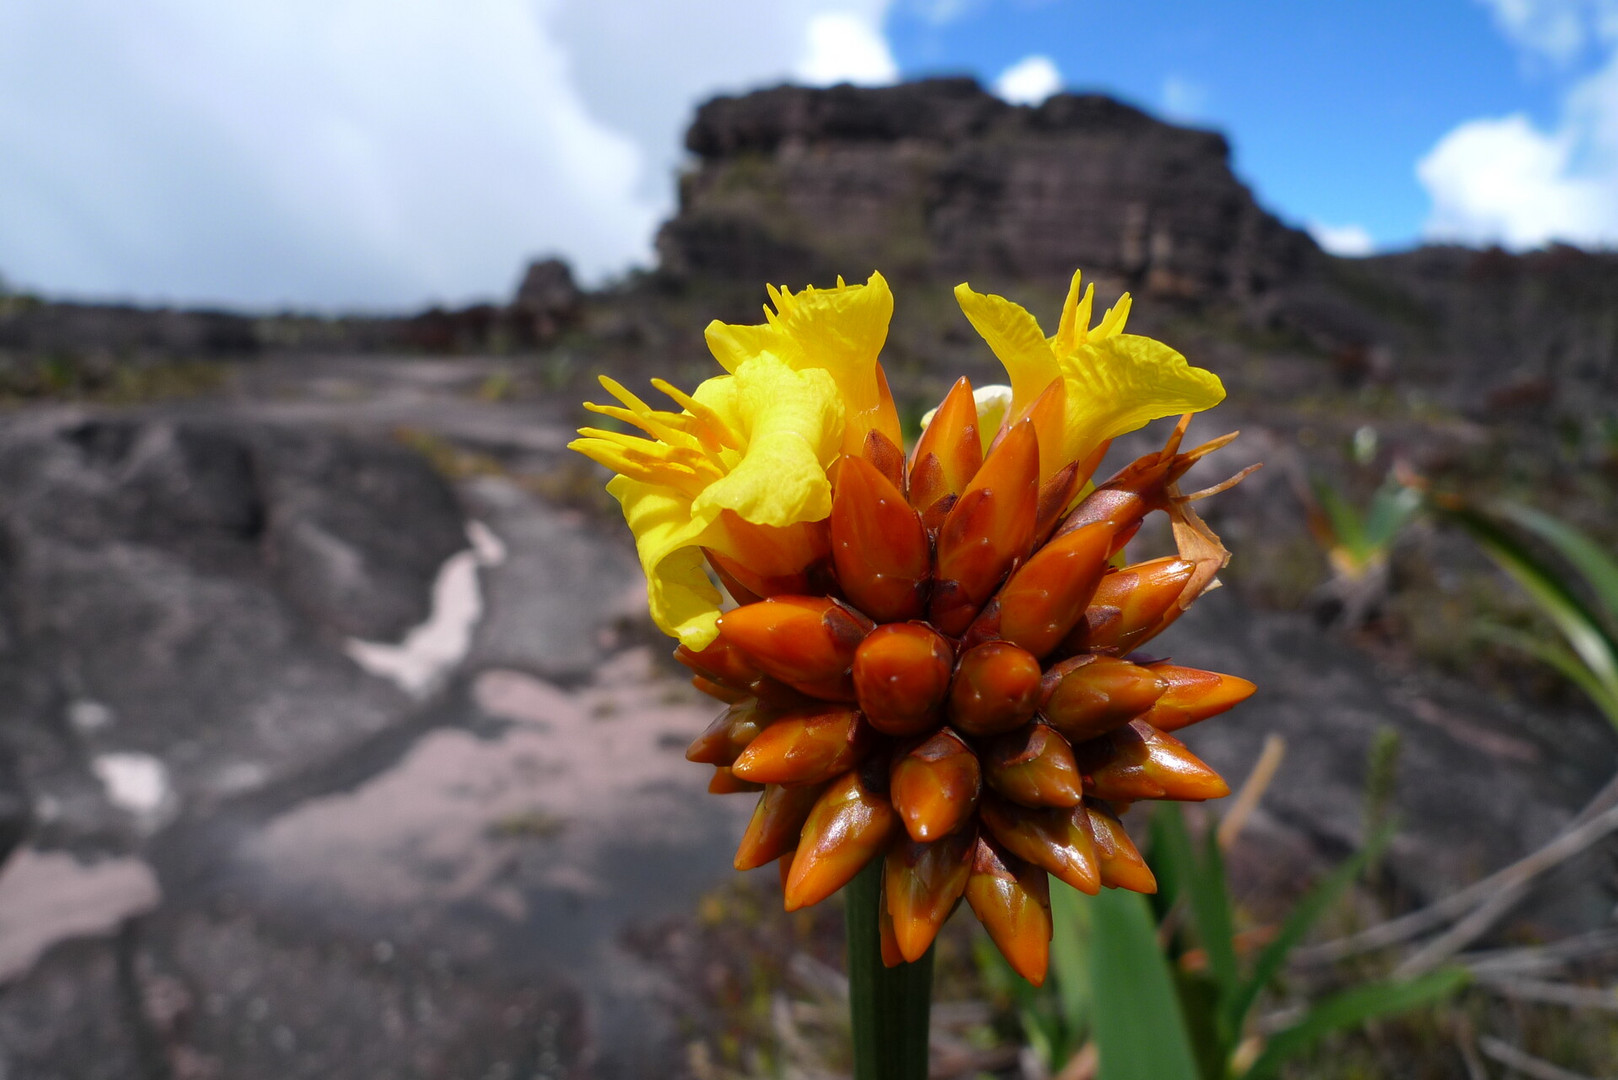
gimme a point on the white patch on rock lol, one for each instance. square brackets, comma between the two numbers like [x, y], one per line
[490, 549]
[137, 784]
[47, 897]
[86, 716]
[432, 649]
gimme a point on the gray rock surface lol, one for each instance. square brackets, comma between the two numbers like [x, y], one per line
[1478, 784]
[261, 849]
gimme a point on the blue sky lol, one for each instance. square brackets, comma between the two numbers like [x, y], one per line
[384, 154]
[1329, 105]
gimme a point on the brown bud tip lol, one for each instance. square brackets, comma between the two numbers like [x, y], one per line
[879, 547]
[725, 782]
[1131, 606]
[1090, 696]
[949, 452]
[807, 642]
[988, 531]
[885, 454]
[935, 786]
[1045, 597]
[1055, 838]
[995, 690]
[724, 739]
[901, 674]
[722, 662]
[847, 828]
[1121, 864]
[773, 830]
[921, 883]
[1012, 899]
[1140, 762]
[1133, 492]
[805, 747]
[1194, 695]
[1033, 766]
[719, 690]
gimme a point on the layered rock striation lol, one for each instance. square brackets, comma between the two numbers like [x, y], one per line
[940, 178]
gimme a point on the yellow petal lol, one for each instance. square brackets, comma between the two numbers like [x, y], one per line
[840, 330]
[683, 602]
[1075, 326]
[793, 426]
[1015, 337]
[1121, 383]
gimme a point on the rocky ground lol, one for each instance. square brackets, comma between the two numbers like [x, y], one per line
[339, 744]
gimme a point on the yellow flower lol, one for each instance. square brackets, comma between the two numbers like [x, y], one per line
[840, 330]
[740, 471]
[1113, 382]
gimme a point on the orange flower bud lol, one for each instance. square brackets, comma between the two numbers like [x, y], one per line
[847, 828]
[935, 786]
[724, 739]
[1034, 767]
[1046, 596]
[922, 884]
[947, 456]
[1055, 838]
[719, 690]
[767, 561]
[807, 642]
[1194, 695]
[1131, 606]
[725, 782]
[776, 821]
[901, 675]
[995, 690]
[1121, 864]
[805, 747]
[879, 547]
[1090, 696]
[1140, 762]
[1012, 899]
[722, 662]
[988, 531]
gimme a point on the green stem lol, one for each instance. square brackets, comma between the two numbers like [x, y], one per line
[889, 1006]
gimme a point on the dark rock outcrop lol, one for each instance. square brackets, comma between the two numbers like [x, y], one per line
[941, 178]
[31, 326]
[548, 300]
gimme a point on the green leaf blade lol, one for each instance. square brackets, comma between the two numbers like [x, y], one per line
[1139, 1030]
[1350, 1009]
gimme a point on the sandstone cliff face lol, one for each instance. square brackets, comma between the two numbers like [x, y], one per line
[940, 178]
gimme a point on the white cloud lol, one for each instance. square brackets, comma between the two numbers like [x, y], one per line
[361, 152]
[1029, 81]
[1557, 30]
[846, 46]
[1350, 241]
[1183, 99]
[1504, 180]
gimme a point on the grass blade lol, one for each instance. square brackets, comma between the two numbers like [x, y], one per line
[1070, 965]
[1298, 922]
[1555, 654]
[1350, 1009]
[1139, 1030]
[1584, 633]
[1598, 568]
